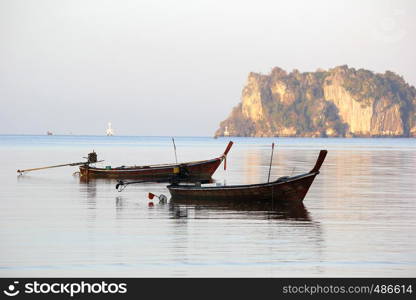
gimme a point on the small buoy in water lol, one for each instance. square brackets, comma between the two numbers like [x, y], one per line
[162, 198]
[150, 204]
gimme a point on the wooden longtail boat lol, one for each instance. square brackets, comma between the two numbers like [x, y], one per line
[286, 189]
[192, 171]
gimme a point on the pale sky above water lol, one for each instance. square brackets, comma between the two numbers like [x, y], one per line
[177, 67]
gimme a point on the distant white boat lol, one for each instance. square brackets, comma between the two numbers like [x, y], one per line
[109, 130]
[226, 133]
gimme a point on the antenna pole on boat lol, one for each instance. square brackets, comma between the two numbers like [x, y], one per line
[271, 160]
[174, 147]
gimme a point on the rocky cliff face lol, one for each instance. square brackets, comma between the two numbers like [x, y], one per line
[339, 102]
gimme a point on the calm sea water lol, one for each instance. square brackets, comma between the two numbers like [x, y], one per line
[358, 217]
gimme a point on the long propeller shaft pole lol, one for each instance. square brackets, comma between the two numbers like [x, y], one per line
[56, 166]
[49, 167]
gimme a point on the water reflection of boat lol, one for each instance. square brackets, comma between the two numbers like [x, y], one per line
[261, 210]
[284, 189]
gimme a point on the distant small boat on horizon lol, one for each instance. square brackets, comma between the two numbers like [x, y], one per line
[49, 133]
[109, 131]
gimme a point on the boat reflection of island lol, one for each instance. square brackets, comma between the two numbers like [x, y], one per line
[246, 209]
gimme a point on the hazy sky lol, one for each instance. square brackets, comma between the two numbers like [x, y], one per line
[177, 67]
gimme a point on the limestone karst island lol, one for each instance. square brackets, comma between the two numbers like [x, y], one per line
[339, 102]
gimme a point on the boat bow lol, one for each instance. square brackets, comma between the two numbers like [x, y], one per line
[223, 157]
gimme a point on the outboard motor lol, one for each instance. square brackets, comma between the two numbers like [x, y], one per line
[92, 157]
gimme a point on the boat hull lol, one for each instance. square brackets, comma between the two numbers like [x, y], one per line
[285, 189]
[293, 189]
[193, 171]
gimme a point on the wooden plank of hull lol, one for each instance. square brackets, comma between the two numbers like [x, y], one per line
[292, 190]
[202, 170]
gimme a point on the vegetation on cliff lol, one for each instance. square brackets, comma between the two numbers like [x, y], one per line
[339, 102]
